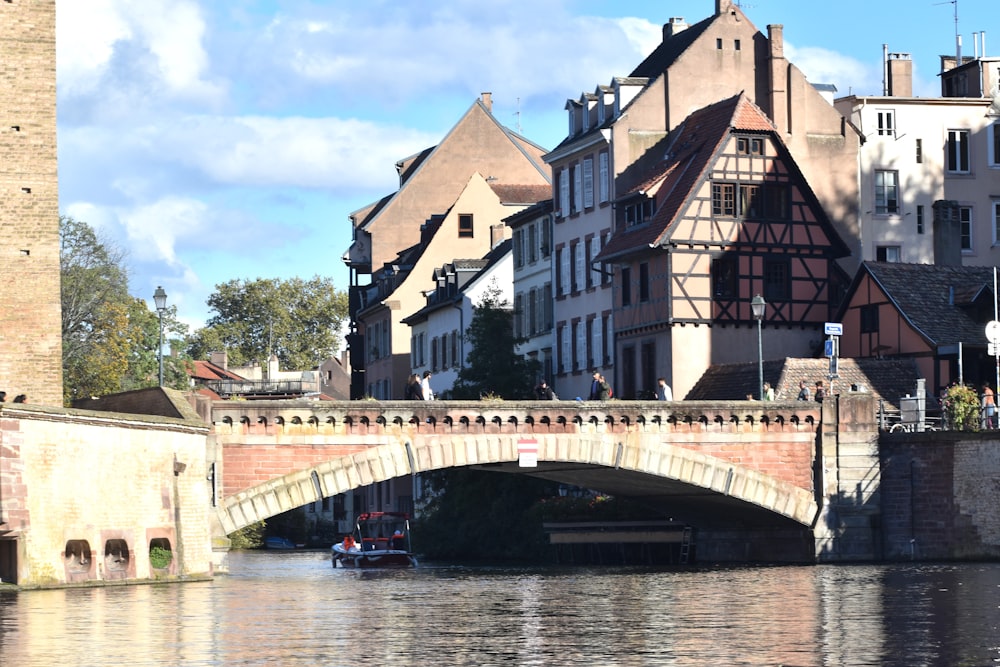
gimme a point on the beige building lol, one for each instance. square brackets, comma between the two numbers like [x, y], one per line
[30, 319]
[451, 202]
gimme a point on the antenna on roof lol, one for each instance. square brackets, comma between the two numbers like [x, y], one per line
[958, 38]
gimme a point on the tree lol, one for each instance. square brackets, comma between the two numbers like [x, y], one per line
[493, 366]
[109, 337]
[295, 319]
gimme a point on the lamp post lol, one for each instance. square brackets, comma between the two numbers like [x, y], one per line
[160, 299]
[757, 305]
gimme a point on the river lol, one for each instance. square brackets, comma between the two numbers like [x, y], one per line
[293, 608]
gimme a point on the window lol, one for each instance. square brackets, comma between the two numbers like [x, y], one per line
[886, 192]
[751, 204]
[454, 349]
[577, 189]
[588, 182]
[736, 44]
[605, 173]
[724, 277]
[869, 318]
[993, 134]
[886, 122]
[626, 286]
[590, 343]
[576, 254]
[777, 279]
[588, 252]
[532, 237]
[575, 345]
[749, 145]
[605, 339]
[465, 225]
[887, 253]
[724, 199]
[517, 244]
[546, 246]
[920, 218]
[518, 315]
[638, 212]
[957, 158]
[965, 225]
[920, 151]
[995, 206]
[718, 43]
[776, 201]
[644, 282]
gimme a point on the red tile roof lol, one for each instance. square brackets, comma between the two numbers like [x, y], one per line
[206, 370]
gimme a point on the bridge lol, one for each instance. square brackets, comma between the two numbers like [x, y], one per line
[755, 480]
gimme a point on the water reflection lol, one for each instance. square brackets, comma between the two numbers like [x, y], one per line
[295, 609]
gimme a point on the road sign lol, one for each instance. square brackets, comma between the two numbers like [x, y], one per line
[828, 347]
[833, 329]
[993, 332]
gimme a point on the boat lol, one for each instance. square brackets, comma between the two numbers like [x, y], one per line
[279, 543]
[380, 539]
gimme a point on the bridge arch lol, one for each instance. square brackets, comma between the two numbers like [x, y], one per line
[662, 460]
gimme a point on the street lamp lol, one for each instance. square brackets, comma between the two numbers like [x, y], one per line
[757, 305]
[160, 299]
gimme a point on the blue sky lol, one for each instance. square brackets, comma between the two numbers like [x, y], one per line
[223, 140]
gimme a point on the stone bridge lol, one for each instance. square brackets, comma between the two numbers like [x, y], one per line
[752, 474]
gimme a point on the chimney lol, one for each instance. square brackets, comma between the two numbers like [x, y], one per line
[675, 25]
[488, 101]
[272, 367]
[723, 7]
[900, 75]
[778, 70]
[498, 234]
[220, 359]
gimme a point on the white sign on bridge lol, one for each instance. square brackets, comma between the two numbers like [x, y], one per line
[527, 453]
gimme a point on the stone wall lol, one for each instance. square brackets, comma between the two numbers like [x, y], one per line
[30, 341]
[939, 495]
[85, 494]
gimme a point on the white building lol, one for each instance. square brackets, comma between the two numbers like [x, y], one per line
[532, 256]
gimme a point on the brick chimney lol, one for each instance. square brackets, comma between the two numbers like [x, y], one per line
[488, 101]
[778, 71]
[220, 359]
[900, 75]
[723, 7]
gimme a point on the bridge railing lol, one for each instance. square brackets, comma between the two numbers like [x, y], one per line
[508, 416]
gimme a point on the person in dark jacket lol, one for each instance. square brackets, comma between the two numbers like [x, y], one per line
[543, 392]
[413, 391]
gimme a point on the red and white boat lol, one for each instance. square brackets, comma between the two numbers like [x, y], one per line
[380, 539]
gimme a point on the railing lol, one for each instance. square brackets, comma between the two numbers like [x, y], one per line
[896, 420]
[227, 388]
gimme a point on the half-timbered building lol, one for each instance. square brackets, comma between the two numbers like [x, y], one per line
[726, 215]
[933, 314]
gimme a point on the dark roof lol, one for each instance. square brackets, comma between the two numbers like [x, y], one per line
[669, 50]
[887, 379]
[931, 297]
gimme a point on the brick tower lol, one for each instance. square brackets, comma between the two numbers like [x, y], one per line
[30, 319]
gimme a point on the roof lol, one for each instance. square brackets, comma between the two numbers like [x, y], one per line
[206, 370]
[689, 155]
[521, 194]
[931, 297]
[886, 379]
[669, 50]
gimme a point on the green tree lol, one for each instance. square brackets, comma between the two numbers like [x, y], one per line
[109, 337]
[297, 320]
[493, 366]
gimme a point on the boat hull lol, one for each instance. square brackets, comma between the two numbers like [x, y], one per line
[372, 559]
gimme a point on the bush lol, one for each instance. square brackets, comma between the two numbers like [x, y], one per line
[961, 408]
[251, 537]
[160, 558]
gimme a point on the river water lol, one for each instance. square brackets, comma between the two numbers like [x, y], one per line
[293, 608]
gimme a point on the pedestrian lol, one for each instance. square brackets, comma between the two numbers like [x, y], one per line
[413, 391]
[425, 386]
[3, 396]
[803, 391]
[989, 407]
[543, 392]
[768, 392]
[600, 390]
[820, 392]
[663, 391]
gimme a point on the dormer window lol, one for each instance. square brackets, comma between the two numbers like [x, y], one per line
[638, 211]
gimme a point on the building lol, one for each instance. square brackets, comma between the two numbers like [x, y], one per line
[619, 130]
[532, 255]
[30, 319]
[437, 341]
[930, 167]
[477, 155]
[725, 215]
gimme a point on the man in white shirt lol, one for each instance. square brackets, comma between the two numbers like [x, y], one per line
[663, 392]
[425, 385]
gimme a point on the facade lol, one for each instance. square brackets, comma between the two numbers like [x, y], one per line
[30, 319]
[727, 215]
[431, 184]
[532, 258]
[620, 130]
[469, 227]
[930, 167]
[437, 342]
[933, 314]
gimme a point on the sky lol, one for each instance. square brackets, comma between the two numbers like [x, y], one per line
[215, 141]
